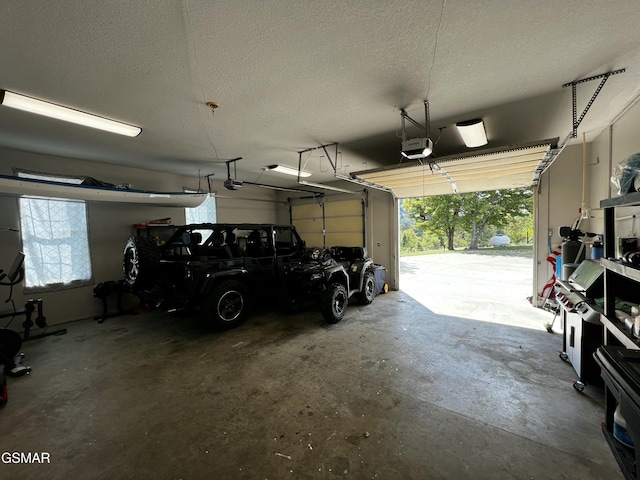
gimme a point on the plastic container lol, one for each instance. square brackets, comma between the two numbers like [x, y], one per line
[597, 251]
[620, 429]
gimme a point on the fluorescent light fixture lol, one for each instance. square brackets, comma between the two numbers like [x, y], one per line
[287, 170]
[472, 132]
[40, 107]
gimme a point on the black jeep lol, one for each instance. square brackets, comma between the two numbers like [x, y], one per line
[217, 268]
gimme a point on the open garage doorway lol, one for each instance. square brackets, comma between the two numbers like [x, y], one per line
[480, 267]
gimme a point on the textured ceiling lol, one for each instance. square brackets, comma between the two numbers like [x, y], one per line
[291, 75]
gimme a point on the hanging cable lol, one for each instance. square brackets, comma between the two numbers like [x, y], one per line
[427, 119]
[435, 47]
[260, 176]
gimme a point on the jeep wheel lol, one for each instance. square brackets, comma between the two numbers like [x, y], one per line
[333, 303]
[368, 292]
[141, 258]
[226, 306]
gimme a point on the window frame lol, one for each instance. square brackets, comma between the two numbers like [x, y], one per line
[71, 283]
[210, 196]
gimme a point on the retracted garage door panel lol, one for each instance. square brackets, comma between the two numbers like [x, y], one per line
[345, 224]
[308, 220]
[328, 223]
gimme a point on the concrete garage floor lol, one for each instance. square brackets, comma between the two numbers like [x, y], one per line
[395, 391]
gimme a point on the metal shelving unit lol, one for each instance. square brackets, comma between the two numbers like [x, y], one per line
[621, 282]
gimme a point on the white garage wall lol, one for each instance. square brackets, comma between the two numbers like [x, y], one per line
[610, 148]
[625, 135]
[560, 193]
[382, 223]
[557, 203]
[111, 224]
[251, 204]
[598, 180]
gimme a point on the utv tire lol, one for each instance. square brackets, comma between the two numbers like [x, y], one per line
[141, 259]
[333, 303]
[368, 292]
[226, 306]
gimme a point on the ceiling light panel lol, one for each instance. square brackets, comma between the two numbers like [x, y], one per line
[40, 107]
[288, 170]
[472, 132]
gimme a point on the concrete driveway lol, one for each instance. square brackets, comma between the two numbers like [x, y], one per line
[490, 288]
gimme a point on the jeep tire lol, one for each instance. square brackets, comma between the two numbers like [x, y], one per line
[226, 306]
[141, 259]
[333, 303]
[368, 292]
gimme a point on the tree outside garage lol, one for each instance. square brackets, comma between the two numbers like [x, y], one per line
[466, 220]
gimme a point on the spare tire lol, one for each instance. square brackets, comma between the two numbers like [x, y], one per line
[141, 259]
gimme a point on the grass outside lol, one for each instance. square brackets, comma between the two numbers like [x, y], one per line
[509, 250]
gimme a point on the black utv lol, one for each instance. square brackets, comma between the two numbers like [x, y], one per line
[331, 277]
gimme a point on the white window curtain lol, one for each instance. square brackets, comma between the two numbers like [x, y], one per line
[203, 213]
[55, 241]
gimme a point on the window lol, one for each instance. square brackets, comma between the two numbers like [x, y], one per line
[203, 213]
[55, 240]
